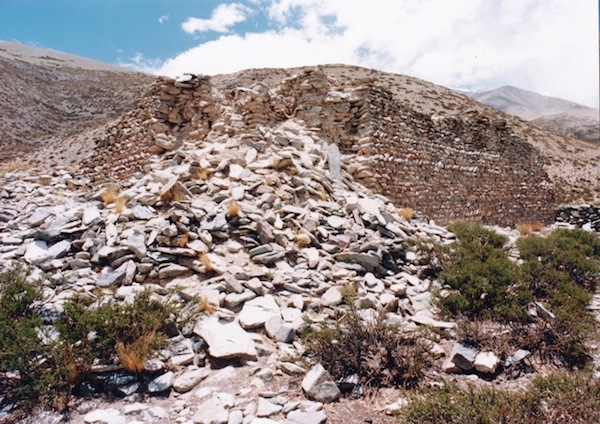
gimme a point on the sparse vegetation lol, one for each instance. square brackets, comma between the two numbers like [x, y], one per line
[559, 272]
[484, 282]
[559, 398]
[40, 365]
[406, 213]
[379, 354]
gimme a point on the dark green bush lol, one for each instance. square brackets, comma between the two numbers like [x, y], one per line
[559, 398]
[95, 332]
[484, 282]
[30, 370]
[39, 371]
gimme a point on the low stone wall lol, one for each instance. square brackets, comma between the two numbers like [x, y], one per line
[584, 216]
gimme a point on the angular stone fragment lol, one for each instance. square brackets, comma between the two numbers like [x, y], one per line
[279, 330]
[258, 310]
[225, 340]
[332, 297]
[463, 356]
[486, 362]
[137, 244]
[319, 386]
[190, 379]
[162, 383]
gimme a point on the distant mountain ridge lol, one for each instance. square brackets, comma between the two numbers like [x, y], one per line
[555, 114]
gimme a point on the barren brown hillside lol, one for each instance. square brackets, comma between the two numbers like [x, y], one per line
[48, 97]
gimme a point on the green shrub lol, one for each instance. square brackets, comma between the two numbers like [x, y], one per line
[559, 398]
[104, 331]
[30, 370]
[42, 371]
[380, 354]
[562, 270]
[484, 282]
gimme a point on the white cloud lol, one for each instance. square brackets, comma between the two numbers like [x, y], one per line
[162, 19]
[140, 63]
[548, 46]
[224, 17]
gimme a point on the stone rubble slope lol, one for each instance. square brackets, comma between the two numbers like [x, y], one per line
[465, 163]
[281, 229]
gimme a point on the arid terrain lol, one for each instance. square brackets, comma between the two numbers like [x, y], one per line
[208, 249]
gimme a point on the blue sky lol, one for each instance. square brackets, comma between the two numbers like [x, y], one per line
[547, 46]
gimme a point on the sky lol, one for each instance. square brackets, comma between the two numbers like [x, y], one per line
[546, 46]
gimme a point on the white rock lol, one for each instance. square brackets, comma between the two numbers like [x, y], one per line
[463, 356]
[336, 221]
[333, 296]
[309, 417]
[486, 362]
[257, 311]
[212, 411]
[37, 252]
[278, 330]
[319, 386]
[190, 379]
[312, 255]
[91, 216]
[104, 416]
[225, 340]
[266, 408]
[137, 244]
[161, 383]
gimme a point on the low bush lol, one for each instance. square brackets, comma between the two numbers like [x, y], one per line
[559, 398]
[560, 272]
[379, 354]
[484, 283]
[40, 365]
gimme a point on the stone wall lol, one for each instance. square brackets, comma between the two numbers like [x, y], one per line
[451, 167]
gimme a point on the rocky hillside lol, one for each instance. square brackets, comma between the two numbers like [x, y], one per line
[421, 145]
[51, 99]
[555, 114]
[263, 205]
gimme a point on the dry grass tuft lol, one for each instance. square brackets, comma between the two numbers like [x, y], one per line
[110, 194]
[302, 239]
[202, 174]
[12, 166]
[133, 355]
[120, 203]
[406, 213]
[205, 260]
[233, 209]
[206, 306]
[182, 240]
[45, 180]
[527, 228]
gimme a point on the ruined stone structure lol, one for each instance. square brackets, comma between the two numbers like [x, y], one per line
[466, 166]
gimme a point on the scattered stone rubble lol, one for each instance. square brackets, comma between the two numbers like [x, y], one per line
[267, 225]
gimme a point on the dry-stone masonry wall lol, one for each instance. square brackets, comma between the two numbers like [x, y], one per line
[451, 167]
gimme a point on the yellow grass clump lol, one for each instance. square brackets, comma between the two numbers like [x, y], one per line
[202, 174]
[205, 261]
[110, 194]
[182, 240]
[527, 228]
[406, 213]
[206, 306]
[120, 203]
[302, 239]
[133, 355]
[233, 209]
